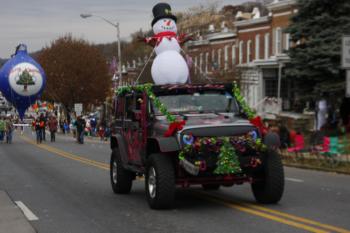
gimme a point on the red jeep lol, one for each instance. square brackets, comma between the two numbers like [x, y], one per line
[215, 146]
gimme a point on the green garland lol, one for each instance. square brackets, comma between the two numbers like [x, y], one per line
[237, 93]
[147, 88]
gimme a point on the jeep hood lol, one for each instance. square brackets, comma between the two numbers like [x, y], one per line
[211, 124]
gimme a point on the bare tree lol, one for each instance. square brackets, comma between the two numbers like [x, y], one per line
[76, 72]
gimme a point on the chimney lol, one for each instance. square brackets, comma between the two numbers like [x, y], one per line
[239, 15]
[211, 28]
[256, 13]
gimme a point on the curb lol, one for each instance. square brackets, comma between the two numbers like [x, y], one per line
[12, 218]
[315, 168]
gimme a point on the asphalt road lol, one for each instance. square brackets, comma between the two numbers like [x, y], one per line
[66, 186]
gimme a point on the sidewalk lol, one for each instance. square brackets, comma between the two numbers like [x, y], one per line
[12, 219]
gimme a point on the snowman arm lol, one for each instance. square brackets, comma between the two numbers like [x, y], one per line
[148, 40]
[183, 38]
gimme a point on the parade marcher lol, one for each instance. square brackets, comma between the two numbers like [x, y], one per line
[80, 129]
[9, 130]
[321, 112]
[43, 126]
[52, 123]
[38, 130]
[73, 126]
[2, 129]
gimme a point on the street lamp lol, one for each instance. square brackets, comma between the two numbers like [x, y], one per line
[116, 25]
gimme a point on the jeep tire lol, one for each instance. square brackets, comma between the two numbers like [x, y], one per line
[121, 179]
[269, 186]
[160, 181]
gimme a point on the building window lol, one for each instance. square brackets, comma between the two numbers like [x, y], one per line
[271, 87]
[267, 42]
[287, 42]
[278, 41]
[213, 60]
[219, 58]
[226, 57]
[233, 55]
[200, 63]
[249, 50]
[257, 47]
[206, 62]
[195, 65]
[240, 52]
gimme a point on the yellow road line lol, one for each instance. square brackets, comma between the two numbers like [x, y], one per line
[296, 218]
[257, 210]
[275, 212]
[68, 155]
[263, 215]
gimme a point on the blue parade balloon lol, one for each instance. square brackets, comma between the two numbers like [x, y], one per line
[22, 80]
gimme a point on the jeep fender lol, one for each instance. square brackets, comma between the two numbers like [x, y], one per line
[162, 144]
[118, 142]
[272, 140]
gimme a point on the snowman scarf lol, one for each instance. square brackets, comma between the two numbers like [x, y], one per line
[157, 38]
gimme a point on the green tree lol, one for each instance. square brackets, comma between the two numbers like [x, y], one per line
[76, 71]
[316, 32]
[25, 79]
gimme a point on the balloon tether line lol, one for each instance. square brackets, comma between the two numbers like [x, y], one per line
[144, 67]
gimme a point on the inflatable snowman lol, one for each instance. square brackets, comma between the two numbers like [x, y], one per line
[169, 66]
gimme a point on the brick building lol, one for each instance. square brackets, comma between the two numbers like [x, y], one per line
[261, 56]
[213, 55]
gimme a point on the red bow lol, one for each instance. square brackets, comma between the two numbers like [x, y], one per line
[174, 127]
[256, 121]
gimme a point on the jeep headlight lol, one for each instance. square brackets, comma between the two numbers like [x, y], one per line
[254, 134]
[188, 139]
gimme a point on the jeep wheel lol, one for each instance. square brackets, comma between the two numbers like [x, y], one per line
[210, 186]
[160, 182]
[121, 179]
[269, 187]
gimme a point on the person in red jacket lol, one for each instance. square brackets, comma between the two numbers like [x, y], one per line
[52, 123]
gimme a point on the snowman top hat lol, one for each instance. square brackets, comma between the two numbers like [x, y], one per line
[162, 10]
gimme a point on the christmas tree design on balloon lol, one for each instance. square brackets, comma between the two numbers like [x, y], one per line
[25, 79]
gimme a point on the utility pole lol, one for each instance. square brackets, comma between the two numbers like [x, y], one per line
[119, 55]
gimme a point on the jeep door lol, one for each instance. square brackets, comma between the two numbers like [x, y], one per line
[133, 127]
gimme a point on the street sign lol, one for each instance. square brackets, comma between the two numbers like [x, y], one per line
[78, 108]
[345, 61]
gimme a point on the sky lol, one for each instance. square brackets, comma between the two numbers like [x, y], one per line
[38, 22]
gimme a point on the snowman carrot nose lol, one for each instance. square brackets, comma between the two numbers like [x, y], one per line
[168, 23]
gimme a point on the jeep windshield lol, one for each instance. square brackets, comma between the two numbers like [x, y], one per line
[207, 102]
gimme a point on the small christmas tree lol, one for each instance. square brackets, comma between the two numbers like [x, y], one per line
[25, 79]
[228, 162]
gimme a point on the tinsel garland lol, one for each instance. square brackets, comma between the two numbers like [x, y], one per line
[251, 114]
[240, 99]
[147, 88]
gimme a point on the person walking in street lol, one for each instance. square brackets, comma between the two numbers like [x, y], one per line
[43, 126]
[9, 129]
[52, 123]
[2, 129]
[80, 130]
[37, 126]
